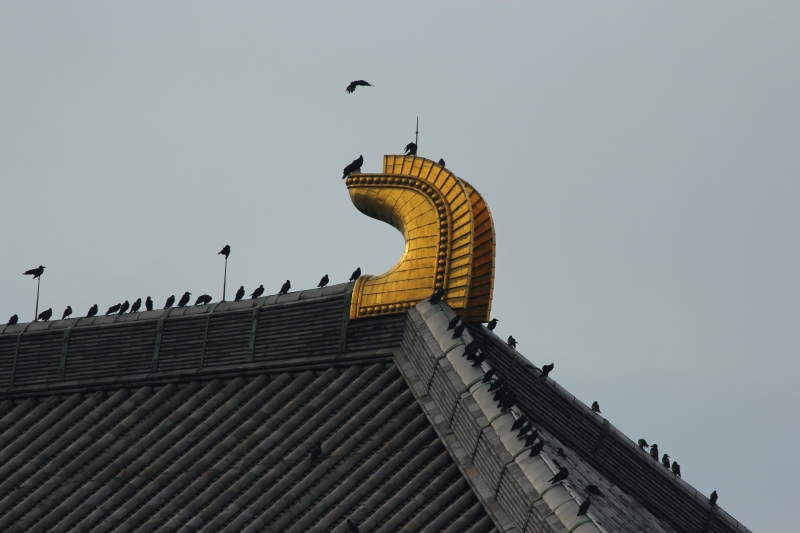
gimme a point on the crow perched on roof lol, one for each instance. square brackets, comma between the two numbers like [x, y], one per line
[595, 407]
[665, 461]
[184, 299]
[487, 377]
[239, 294]
[455, 320]
[560, 453]
[316, 452]
[35, 272]
[593, 489]
[437, 296]
[13, 320]
[148, 304]
[355, 166]
[441, 163]
[66, 313]
[526, 427]
[170, 302]
[713, 499]
[351, 526]
[676, 468]
[459, 329]
[584, 506]
[471, 348]
[478, 360]
[323, 281]
[536, 449]
[411, 149]
[92, 311]
[642, 444]
[561, 475]
[113, 309]
[546, 369]
[530, 439]
[496, 384]
[654, 451]
[519, 422]
[355, 275]
[124, 307]
[285, 287]
[492, 324]
[46, 314]
[203, 299]
[512, 342]
[256, 293]
[357, 83]
[226, 251]
[136, 305]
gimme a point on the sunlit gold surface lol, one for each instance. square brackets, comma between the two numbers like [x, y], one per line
[436, 212]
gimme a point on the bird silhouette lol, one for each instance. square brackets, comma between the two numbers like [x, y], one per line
[170, 302]
[136, 305]
[124, 307]
[713, 499]
[561, 475]
[411, 149]
[226, 251]
[642, 444]
[351, 526]
[478, 360]
[530, 439]
[148, 304]
[35, 272]
[441, 163]
[184, 299]
[496, 384]
[546, 369]
[316, 452]
[512, 342]
[357, 83]
[239, 294]
[203, 299]
[584, 506]
[519, 422]
[355, 275]
[676, 468]
[654, 451]
[560, 453]
[355, 166]
[492, 324]
[46, 314]
[256, 293]
[453, 321]
[13, 320]
[459, 329]
[665, 460]
[487, 377]
[593, 489]
[113, 309]
[92, 311]
[536, 449]
[596, 407]
[66, 313]
[323, 281]
[285, 287]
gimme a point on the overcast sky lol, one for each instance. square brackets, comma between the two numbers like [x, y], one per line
[640, 161]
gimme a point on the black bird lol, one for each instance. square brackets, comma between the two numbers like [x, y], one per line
[492, 324]
[226, 251]
[355, 166]
[46, 314]
[487, 377]
[500, 392]
[203, 299]
[530, 439]
[593, 489]
[665, 461]
[478, 360]
[184, 299]
[323, 281]
[170, 302]
[533, 431]
[596, 407]
[546, 369]
[537, 448]
[584, 506]
[239, 294]
[256, 293]
[654, 451]
[35, 272]
[458, 330]
[560, 453]
[561, 475]
[67, 312]
[357, 83]
[92, 311]
[285, 287]
[441, 163]
[351, 526]
[524, 428]
[148, 304]
[472, 348]
[136, 305]
[316, 452]
[437, 296]
[642, 444]
[113, 309]
[512, 342]
[124, 307]
[519, 422]
[356, 274]
[13, 320]
[497, 384]
[455, 320]
[507, 401]
[411, 149]
[676, 468]
[713, 499]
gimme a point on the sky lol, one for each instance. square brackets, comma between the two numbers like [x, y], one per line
[640, 160]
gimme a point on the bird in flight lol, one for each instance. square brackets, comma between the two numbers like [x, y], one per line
[240, 294]
[136, 305]
[67, 312]
[170, 302]
[92, 311]
[357, 83]
[45, 315]
[355, 166]
[595, 407]
[148, 304]
[411, 149]
[203, 299]
[226, 251]
[356, 274]
[35, 272]
[492, 324]
[323, 281]
[113, 309]
[285, 287]
[184, 299]
[441, 163]
[13, 320]
[584, 506]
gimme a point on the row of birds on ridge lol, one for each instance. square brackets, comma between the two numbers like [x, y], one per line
[356, 164]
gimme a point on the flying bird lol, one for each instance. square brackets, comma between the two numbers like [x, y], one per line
[654, 451]
[512, 342]
[411, 149]
[92, 311]
[437, 296]
[642, 444]
[441, 163]
[355, 166]
[124, 307]
[256, 293]
[136, 305]
[536, 449]
[455, 320]
[285, 287]
[184, 299]
[593, 489]
[67, 312]
[546, 369]
[595, 407]
[113, 309]
[323, 281]
[357, 83]
[561, 475]
[148, 304]
[713, 499]
[665, 461]
[351, 526]
[35, 272]
[676, 468]
[492, 324]
[584, 506]
[240, 294]
[45, 315]
[203, 299]
[170, 302]
[226, 251]
[356, 274]
[13, 320]
[459, 329]
[316, 452]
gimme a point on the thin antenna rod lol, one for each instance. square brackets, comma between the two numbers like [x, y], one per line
[416, 137]
[38, 284]
[225, 278]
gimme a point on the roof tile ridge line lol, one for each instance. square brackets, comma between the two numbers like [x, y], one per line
[436, 319]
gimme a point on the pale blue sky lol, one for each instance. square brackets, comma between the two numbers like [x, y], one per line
[640, 160]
